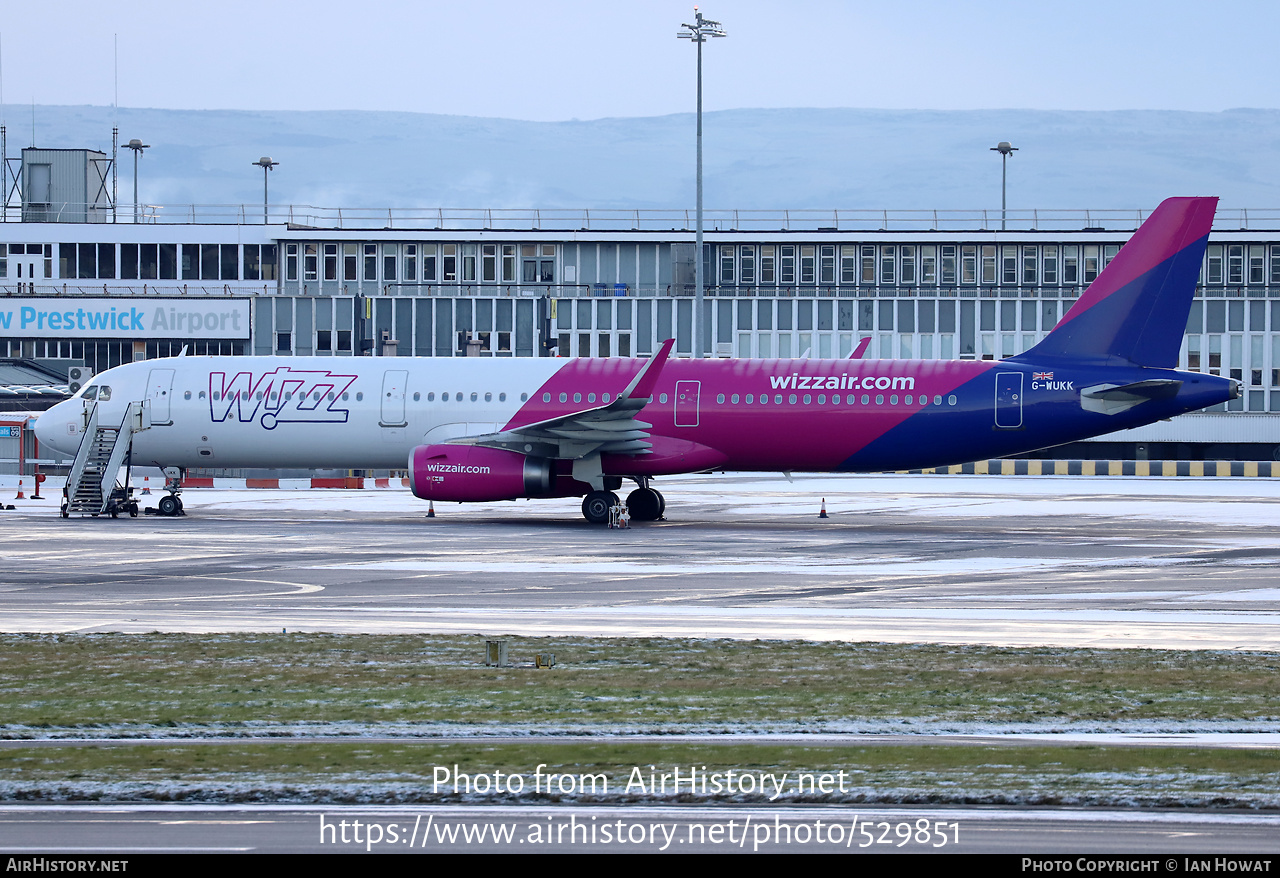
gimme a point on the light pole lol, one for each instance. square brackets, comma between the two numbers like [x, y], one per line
[1004, 148]
[700, 31]
[266, 164]
[137, 146]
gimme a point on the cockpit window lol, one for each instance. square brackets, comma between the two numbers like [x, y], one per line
[90, 392]
[104, 393]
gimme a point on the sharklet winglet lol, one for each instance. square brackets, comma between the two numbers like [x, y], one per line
[642, 385]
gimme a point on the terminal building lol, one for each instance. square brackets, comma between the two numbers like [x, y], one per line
[87, 282]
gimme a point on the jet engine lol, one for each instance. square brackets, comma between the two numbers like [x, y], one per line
[475, 473]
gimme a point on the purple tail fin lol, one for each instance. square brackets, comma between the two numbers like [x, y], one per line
[1136, 311]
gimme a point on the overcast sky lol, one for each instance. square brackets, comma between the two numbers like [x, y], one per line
[566, 59]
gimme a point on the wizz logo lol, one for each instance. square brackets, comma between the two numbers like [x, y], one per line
[282, 396]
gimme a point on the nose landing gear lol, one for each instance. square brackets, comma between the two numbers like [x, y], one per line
[170, 504]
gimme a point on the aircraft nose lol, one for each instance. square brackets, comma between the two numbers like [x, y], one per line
[58, 428]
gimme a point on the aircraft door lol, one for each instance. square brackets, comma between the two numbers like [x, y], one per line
[686, 411]
[393, 389]
[159, 390]
[1009, 400]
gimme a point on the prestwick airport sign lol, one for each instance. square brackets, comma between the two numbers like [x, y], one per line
[124, 318]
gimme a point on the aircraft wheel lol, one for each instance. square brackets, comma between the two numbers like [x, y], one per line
[179, 499]
[662, 503]
[169, 505]
[595, 507]
[644, 504]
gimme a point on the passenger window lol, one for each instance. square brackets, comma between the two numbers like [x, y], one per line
[662, 397]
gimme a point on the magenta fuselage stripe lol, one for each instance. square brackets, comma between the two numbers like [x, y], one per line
[771, 435]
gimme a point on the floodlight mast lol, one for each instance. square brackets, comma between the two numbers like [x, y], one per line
[699, 32]
[1005, 150]
[266, 164]
[137, 146]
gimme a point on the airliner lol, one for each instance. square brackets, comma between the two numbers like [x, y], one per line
[481, 429]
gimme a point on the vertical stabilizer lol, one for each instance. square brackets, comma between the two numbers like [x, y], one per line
[1135, 312]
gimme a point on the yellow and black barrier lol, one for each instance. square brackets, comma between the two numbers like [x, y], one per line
[1192, 468]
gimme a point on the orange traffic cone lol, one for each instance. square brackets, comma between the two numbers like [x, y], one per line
[431, 509]
[21, 496]
[823, 513]
[146, 489]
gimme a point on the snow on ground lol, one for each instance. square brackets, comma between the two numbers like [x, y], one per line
[1220, 500]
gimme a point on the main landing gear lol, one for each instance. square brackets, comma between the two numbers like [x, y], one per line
[596, 506]
[644, 504]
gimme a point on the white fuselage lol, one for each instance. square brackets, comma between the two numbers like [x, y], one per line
[296, 412]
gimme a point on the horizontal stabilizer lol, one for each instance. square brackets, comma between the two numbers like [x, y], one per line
[1112, 399]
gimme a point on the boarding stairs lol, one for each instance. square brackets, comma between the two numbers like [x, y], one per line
[103, 450]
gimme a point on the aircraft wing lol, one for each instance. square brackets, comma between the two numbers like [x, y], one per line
[605, 429]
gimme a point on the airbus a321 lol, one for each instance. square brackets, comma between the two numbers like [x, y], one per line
[481, 429]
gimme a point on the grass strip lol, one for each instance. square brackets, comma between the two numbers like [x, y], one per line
[167, 680]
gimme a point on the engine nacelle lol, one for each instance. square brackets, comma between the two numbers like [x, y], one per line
[472, 473]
